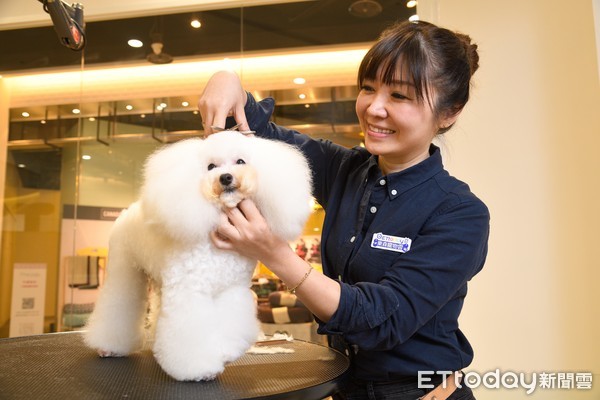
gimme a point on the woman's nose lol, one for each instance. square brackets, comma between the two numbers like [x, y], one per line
[377, 107]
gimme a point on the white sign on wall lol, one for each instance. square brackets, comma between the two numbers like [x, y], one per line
[28, 300]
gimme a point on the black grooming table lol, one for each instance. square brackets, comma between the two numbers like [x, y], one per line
[60, 366]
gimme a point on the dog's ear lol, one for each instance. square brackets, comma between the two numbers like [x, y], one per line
[171, 195]
[284, 187]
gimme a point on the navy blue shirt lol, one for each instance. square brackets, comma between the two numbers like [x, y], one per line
[403, 247]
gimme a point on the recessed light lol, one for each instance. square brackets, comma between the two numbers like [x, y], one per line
[163, 105]
[301, 96]
[86, 157]
[413, 18]
[91, 119]
[76, 111]
[299, 81]
[135, 43]
[195, 23]
[129, 107]
[185, 103]
[411, 3]
[43, 122]
[21, 165]
[25, 114]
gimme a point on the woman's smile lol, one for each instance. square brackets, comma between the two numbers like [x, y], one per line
[379, 132]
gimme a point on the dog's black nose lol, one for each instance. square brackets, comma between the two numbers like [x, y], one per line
[226, 179]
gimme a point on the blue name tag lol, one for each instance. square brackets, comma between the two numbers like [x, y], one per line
[391, 243]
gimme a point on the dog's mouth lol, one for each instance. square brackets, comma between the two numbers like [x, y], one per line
[229, 188]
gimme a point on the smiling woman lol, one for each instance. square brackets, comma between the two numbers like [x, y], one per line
[413, 84]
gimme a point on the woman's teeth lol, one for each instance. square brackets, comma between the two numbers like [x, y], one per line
[380, 130]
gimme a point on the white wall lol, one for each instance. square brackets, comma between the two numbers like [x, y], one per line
[527, 144]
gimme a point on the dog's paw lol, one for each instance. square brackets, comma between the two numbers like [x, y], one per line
[205, 378]
[107, 353]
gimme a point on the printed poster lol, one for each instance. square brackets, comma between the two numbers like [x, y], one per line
[28, 300]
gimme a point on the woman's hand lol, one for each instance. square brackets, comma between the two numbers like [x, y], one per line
[243, 229]
[222, 97]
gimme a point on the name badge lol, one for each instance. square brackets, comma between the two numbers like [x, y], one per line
[391, 243]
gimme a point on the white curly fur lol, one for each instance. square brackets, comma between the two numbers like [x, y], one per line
[207, 314]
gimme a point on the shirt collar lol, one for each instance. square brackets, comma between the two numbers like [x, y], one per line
[399, 182]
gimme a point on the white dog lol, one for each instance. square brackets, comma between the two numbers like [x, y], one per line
[207, 314]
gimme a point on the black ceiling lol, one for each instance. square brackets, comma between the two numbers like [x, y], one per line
[226, 31]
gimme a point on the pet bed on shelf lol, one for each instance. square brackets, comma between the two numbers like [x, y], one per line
[283, 308]
[76, 315]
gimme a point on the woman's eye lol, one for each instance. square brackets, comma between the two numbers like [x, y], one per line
[399, 96]
[240, 161]
[366, 88]
[211, 166]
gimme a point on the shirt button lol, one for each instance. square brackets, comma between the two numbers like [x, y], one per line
[352, 239]
[382, 182]
[394, 192]
[373, 210]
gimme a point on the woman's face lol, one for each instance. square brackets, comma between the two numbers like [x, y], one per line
[397, 127]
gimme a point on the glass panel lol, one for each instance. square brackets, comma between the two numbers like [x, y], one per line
[108, 180]
[72, 168]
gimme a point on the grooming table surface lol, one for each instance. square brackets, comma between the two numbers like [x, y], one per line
[60, 366]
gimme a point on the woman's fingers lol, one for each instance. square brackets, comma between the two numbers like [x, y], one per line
[223, 97]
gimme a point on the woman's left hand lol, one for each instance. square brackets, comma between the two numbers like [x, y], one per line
[243, 229]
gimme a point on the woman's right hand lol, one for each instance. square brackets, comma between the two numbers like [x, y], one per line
[223, 97]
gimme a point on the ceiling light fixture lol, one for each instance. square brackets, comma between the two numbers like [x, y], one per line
[129, 107]
[86, 157]
[185, 103]
[135, 43]
[302, 96]
[365, 8]
[195, 23]
[299, 81]
[25, 114]
[158, 56]
[413, 18]
[411, 3]
[76, 111]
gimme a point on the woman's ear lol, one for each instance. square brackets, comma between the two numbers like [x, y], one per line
[449, 119]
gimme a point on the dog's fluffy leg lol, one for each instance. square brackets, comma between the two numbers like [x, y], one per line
[186, 344]
[116, 327]
[237, 324]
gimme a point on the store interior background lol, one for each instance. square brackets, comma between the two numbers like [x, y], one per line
[526, 144]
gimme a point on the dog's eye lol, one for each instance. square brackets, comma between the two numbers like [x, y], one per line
[240, 161]
[211, 166]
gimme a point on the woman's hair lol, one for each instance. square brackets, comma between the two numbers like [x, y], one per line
[438, 62]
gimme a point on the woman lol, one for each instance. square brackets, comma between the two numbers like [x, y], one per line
[401, 237]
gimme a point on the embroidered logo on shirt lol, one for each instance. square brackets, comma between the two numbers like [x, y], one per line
[391, 243]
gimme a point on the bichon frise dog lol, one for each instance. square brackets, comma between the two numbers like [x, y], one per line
[207, 313]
